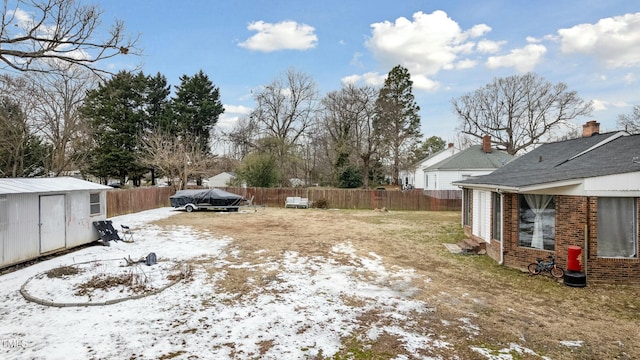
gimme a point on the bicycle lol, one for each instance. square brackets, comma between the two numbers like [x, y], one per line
[540, 266]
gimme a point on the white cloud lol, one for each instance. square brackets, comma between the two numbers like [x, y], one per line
[425, 45]
[599, 105]
[422, 82]
[370, 78]
[231, 115]
[285, 35]
[355, 60]
[602, 105]
[237, 109]
[523, 59]
[489, 46]
[466, 64]
[532, 40]
[614, 40]
[21, 16]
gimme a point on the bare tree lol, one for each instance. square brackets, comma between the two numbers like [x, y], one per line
[518, 111]
[630, 122]
[34, 34]
[348, 119]
[284, 111]
[241, 140]
[177, 158]
[56, 114]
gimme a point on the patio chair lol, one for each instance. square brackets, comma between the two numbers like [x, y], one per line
[127, 233]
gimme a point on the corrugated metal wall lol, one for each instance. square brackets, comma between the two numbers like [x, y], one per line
[80, 228]
[20, 217]
[22, 235]
[3, 225]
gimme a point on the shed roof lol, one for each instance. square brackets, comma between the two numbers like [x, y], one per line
[44, 185]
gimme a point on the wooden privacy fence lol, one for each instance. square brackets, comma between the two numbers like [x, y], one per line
[430, 200]
[126, 201]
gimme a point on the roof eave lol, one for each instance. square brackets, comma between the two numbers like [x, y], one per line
[522, 189]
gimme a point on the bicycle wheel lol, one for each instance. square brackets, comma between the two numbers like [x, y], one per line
[533, 269]
[557, 272]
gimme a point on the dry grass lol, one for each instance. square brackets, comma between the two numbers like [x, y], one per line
[507, 305]
[63, 271]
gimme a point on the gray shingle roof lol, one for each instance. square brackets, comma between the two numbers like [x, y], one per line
[599, 155]
[473, 158]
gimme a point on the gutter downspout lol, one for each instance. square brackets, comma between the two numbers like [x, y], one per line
[501, 262]
[585, 253]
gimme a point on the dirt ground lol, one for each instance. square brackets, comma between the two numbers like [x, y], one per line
[508, 306]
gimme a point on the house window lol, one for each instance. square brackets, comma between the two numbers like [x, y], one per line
[94, 204]
[426, 181]
[466, 194]
[497, 216]
[618, 227]
[537, 221]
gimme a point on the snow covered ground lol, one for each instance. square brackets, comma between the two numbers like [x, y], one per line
[302, 313]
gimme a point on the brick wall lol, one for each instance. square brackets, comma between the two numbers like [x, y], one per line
[576, 216]
[622, 271]
[576, 219]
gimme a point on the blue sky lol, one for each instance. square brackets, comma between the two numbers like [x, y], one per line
[450, 47]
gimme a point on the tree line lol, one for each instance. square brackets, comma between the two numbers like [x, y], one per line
[60, 112]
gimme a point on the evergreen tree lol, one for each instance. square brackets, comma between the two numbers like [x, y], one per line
[397, 122]
[22, 152]
[118, 113]
[196, 108]
[429, 147]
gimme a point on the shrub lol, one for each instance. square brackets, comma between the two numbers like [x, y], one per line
[321, 204]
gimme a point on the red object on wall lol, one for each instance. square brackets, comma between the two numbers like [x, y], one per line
[574, 258]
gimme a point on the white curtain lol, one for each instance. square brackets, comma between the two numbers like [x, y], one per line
[617, 234]
[537, 204]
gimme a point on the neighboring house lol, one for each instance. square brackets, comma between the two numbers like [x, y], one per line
[474, 161]
[44, 215]
[221, 180]
[581, 192]
[416, 177]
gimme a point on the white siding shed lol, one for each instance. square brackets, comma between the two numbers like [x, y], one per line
[43, 215]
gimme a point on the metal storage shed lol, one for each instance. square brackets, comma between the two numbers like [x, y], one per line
[43, 215]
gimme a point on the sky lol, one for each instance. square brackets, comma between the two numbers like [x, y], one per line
[309, 307]
[450, 48]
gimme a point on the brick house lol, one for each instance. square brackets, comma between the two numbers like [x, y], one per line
[582, 192]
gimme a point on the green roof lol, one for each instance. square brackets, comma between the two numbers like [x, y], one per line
[473, 158]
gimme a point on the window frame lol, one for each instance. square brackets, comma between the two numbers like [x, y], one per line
[601, 224]
[496, 213]
[93, 203]
[523, 206]
[466, 217]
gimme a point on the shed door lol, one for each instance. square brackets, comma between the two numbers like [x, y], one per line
[52, 223]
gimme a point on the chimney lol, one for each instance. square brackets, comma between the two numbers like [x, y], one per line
[450, 145]
[486, 143]
[590, 128]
